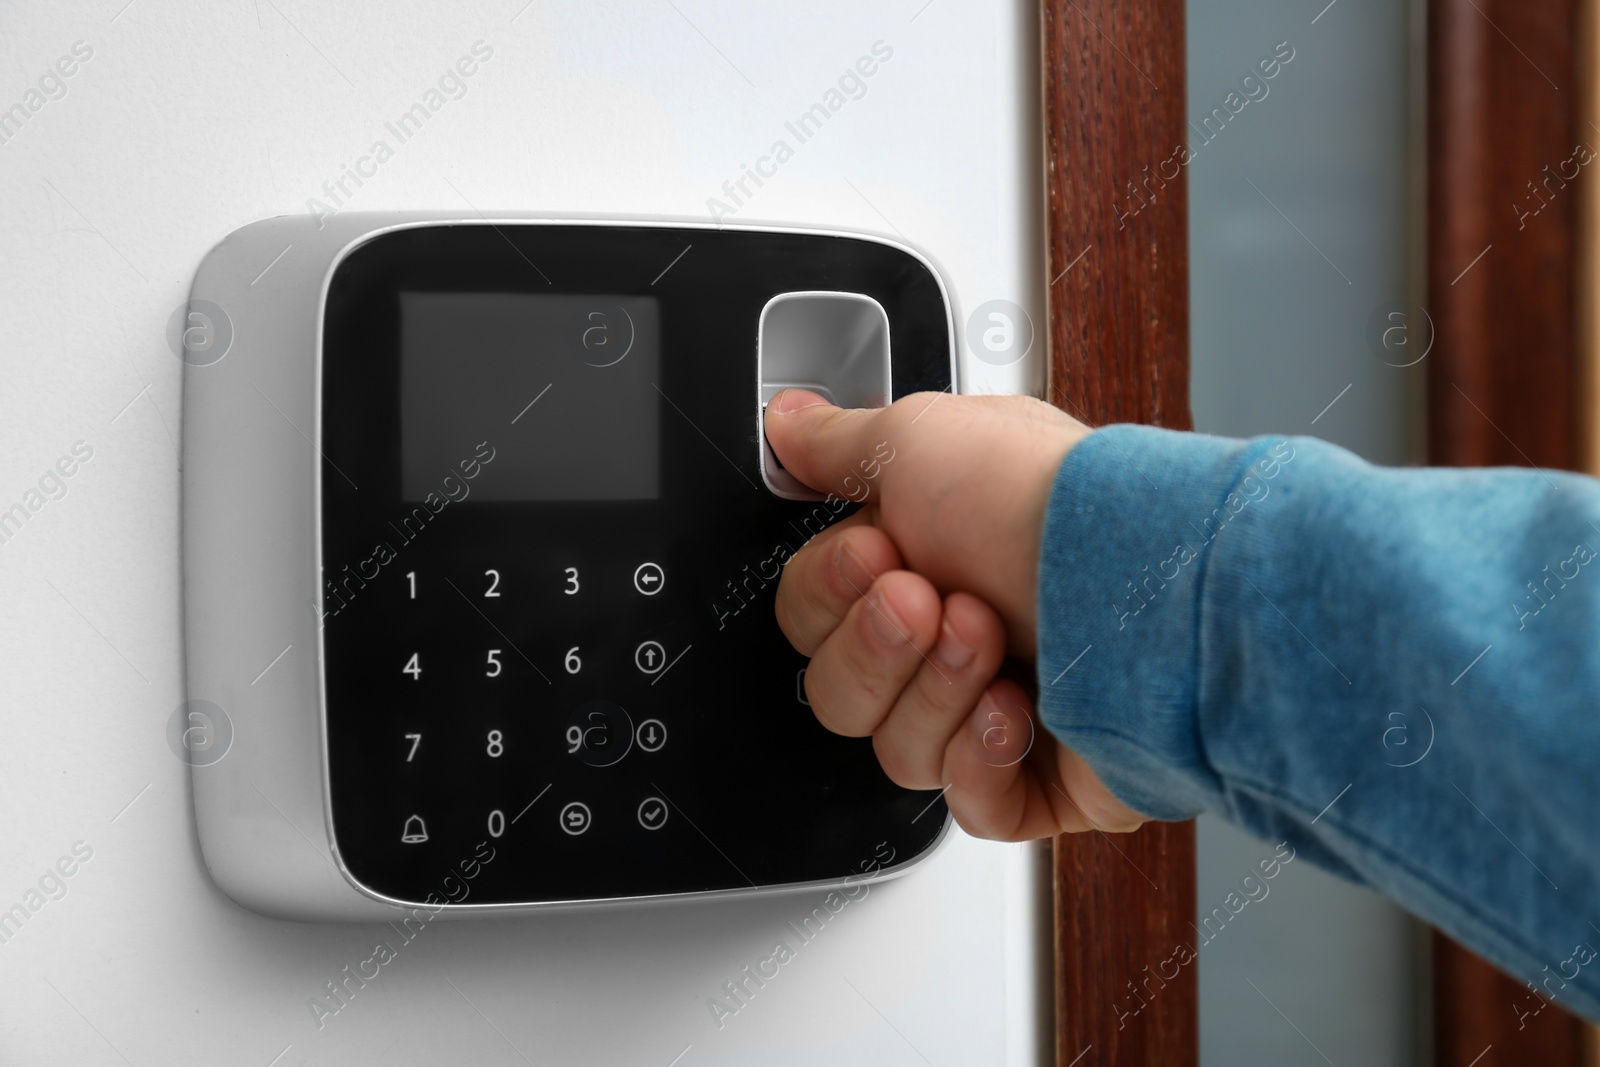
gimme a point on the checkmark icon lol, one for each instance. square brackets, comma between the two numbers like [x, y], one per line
[652, 813]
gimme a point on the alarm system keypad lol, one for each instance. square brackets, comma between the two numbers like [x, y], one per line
[541, 495]
[513, 655]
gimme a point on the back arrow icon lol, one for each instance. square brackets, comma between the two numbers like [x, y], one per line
[648, 578]
[575, 818]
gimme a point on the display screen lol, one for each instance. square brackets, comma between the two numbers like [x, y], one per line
[564, 388]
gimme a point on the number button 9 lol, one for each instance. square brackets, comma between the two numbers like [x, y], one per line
[599, 733]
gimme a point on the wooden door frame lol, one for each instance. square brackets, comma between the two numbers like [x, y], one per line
[1507, 101]
[1113, 109]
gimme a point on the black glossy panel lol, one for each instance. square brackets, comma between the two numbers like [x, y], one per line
[622, 710]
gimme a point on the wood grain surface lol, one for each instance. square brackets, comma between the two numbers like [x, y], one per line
[1504, 117]
[1117, 260]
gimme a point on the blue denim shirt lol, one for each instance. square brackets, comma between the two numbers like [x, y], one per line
[1396, 671]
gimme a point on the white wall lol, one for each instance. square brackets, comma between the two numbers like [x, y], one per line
[191, 119]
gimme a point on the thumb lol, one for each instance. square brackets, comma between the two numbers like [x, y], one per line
[824, 446]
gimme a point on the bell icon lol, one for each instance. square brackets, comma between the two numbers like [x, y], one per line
[415, 832]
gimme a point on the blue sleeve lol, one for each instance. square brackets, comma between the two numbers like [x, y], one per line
[1395, 671]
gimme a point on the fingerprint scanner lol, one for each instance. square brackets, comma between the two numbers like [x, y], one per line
[834, 344]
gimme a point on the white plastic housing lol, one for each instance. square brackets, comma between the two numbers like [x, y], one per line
[252, 471]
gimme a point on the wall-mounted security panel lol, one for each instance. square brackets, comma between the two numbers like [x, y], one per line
[481, 535]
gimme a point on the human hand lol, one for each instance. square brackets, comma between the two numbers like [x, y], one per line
[908, 608]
